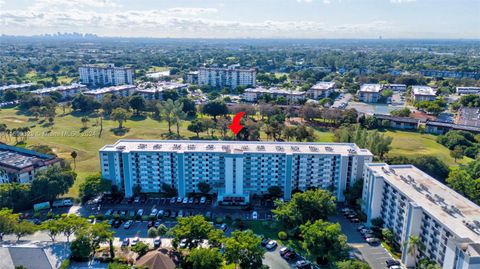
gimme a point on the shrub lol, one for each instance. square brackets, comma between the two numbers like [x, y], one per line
[100, 216]
[282, 235]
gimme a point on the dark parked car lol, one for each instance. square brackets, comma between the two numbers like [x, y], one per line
[125, 242]
[157, 242]
[392, 262]
[264, 241]
[290, 255]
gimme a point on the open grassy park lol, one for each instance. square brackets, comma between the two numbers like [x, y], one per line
[64, 136]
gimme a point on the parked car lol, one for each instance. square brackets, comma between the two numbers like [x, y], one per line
[290, 255]
[150, 224]
[180, 213]
[173, 214]
[157, 224]
[395, 267]
[392, 262]
[283, 250]
[303, 264]
[373, 240]
[360, 228]
[271, 245]
[167, 213]
[140, 212]
[128, 224]
[154, 212]
[67, 202]
[160, 213]
[179, 200]
[254, 215]
[185, 201]
[116, 224]
[125, 242]
[157, 242]
[190, 200]
[136, 200]
[223, 227]
[203, 200]
[172, 200]
[264, 241]
[135, 240]
[183, 243]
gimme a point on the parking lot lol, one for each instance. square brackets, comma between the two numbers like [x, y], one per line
[375, 254]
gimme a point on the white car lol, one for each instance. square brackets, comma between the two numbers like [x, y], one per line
[203, 200]
[154, 212]
[140, 212]
[395, 267]
[135, 240]
[271, 244]
[185, 200]
[254, 215]
[183, 243]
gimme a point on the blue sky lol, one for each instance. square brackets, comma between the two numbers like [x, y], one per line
[245, 18]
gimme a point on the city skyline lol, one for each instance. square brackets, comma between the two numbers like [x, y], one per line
[244, 19]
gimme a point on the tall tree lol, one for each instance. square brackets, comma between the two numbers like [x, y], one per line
[74, 155]
[120, 115]
[137, 103]
[324, 241]
[215, 108]
[205, 258]
[51, 183]
[243, 248]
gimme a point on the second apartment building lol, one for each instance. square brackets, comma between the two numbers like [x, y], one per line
[411, 203]
[235, 170]
[227, 77]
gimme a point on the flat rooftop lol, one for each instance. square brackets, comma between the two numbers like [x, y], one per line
[16, 159]
[423, 90]
[160, 86]
[60, 88]
[15, 86]
[227, 69]
[469, 116]
[323, 85]
[236, 147]
[110, 89]
[273, 90]
[371, 88]
[447, 206]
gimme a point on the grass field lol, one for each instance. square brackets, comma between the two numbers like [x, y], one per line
[411, 144]
[65, 136]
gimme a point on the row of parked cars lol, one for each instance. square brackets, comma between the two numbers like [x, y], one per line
[174, 200]
[351, 215]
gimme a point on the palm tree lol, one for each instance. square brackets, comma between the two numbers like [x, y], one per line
[167, 112]
[74, 157]
[179, 115]
[414, 245]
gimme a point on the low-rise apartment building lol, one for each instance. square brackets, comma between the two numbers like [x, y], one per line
[423, 93]
[231, 77]
[321, 90]
[16, 87]
[395, 87]
[253, 94]
[468, 90]
[67, 91]
[411, 203]
[120, 91]
[154, 91]
[20, 165]
[105, 75]
[370, 93]
[235, 170]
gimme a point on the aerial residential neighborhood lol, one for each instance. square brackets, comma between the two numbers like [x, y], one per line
[249, 135]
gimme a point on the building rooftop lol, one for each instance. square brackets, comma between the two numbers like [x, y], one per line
[453, 126]
[323, 85]
[423, 90]
[469, 116]
[105, 66]
[460, 215]
[398, 119]
[273, 90]
[110, 89]
[15, 86]
[160, 86]
[60, 88]
[229, 69]
[14, 159]
[236, 147]
[371, 88]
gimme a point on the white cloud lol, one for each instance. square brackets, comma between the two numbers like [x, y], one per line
[190, 11]
[62, 4]
[401, 1]
[2, 3]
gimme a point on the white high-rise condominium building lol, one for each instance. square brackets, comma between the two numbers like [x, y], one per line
[227, 77]
[105, 75]
[235, 170]
[411, 203]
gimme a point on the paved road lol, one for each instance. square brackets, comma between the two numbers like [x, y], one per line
[374, 255]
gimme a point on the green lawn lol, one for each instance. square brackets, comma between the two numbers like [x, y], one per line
[88, 143]
[411, 144]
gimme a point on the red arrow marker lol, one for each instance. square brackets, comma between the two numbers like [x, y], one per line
[236, 126]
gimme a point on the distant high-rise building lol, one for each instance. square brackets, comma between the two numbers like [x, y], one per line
[105, 75]
[227, 77]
